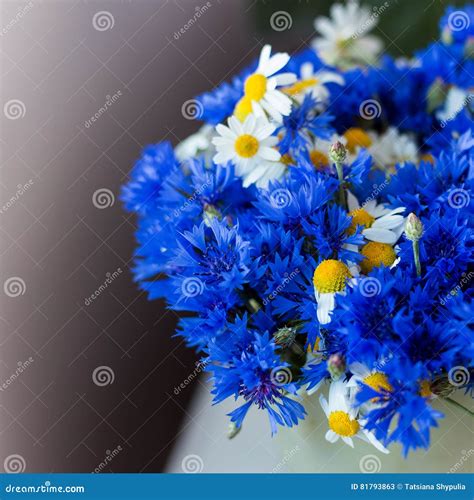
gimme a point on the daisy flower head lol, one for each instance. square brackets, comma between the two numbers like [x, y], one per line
[343, 39]
[343, 417]
[251, 147]
[330, 278]
[375, 379]
[261, 95]
[392, 147]
[314, 83]
[380, 224]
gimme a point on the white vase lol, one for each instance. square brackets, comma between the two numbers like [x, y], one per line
[305, 449]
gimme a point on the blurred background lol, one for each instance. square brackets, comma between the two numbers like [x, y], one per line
[90, 372]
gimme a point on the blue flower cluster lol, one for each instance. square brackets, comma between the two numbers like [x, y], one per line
[316, 274]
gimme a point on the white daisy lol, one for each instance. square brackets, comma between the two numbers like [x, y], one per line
[343, 418]
[260, 88]
[455, 100]
[251, 147]
[380, 223]
[195, 144]
[313, 83]
[343, 39]
[375, 379]
[392, 147]
[329, 278]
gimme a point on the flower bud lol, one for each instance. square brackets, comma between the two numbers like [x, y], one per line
[285, 336]
[436, 95]
[336, 365]
[413, 227]
[233, 430]
[337, 152]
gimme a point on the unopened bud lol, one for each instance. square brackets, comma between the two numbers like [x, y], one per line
[337, 152]
[413, 227]
[336, 366]
[210, 212]
[233, 430]
[436, 95]
[285, 336]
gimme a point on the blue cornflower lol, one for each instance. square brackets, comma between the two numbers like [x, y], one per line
[301, 123]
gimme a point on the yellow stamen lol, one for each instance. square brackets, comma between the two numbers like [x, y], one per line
[342, 424]
[357, 137]
[318, 159]
[287, 159]
[360, 217]
[255, 87]
[425, 389]
[377, 254]
[330, 276]
[427, 157]
[246, 146]
[300, 86]
[378, 381]
[243, 108]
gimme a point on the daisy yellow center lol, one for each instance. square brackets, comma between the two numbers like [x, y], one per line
[360, 217]
[243, 108]
[287, 159]
[376, 255]
[378, 381]
[342, 424]
[246, 146]
[425, 389]
[255, 87]
[427, 157]
[330, 276]
[300, 86]
[357, 137]
[318, 159]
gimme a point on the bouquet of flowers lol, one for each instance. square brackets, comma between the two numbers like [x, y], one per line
[317, 230]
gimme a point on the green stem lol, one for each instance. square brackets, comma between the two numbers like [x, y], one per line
[340, 176]
[416, 256]
[458, 405]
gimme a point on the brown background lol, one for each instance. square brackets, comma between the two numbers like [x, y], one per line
[61, 246]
